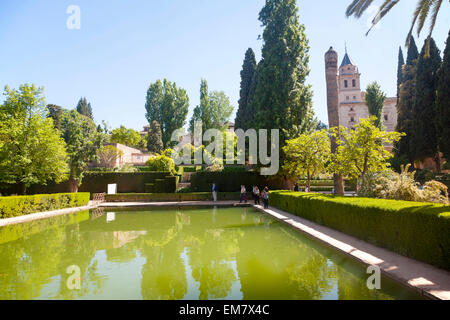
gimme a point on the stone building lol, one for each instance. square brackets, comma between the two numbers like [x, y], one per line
[351, 106]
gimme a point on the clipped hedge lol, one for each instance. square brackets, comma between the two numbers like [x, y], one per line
[232, 181]
[417, 230]
[168, 197]
[23, 205]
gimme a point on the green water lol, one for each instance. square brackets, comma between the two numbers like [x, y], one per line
[229, 253]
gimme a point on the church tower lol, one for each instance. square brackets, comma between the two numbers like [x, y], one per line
[349, 81]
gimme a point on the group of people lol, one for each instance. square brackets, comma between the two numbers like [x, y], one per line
[256, 195]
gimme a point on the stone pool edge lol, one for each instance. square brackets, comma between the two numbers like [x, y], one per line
[427, 280]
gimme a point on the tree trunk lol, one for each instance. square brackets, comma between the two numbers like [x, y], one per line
[308, 185]
[73, 185]
[438, 162]
[23, 190]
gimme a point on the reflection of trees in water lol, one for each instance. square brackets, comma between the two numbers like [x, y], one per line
[31, 262]
[276, 265]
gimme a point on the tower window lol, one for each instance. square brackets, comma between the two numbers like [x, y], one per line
[354, 83]
[346, 83]
[354, 97]
[352, 110]
[386, 117]
[347, 97]
[352, 119]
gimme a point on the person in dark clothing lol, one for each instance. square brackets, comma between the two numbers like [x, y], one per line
[256, 195]
[296, 188]
[265, 196]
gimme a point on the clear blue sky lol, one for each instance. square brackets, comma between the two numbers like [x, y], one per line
[124, 45]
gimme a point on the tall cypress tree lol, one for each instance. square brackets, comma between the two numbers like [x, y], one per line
[375, 98]
[424, 139]
[405, 104]
[443, 103]
[413, 52]
[85, 108]
[401, 62]
[155, 142]
[248, 70]
[282, 100]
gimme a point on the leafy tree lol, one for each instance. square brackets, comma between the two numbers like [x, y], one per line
[155, 143]
[169, 105]
[55, 112]
[248, 71]
[214, 109]
[423, 10]
[362, 150]
[83, 142]
[161, 163]
[84, 108]
[443, 103]
[401, 62]
[31, 149]
[375, 98]
[403, 149]
[125, 136]
[307, 155]
[281, 99]
[424, 139]
[108, 155]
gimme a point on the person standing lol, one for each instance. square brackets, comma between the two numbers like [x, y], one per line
[265, 196]
[214, 192]
[243, 194]
[296, 188]
[257, 195]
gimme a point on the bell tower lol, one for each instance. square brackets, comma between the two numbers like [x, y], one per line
[349, 81]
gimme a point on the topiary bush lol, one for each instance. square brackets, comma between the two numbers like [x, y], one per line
[417, 230]
[23, 205]
[161, 163]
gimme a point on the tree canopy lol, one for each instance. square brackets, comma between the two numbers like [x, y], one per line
[281, 98]
[169, 105]
[83, 141]
[375, 98]
[84, 107]
[244, 115]
[214, 109]
[443, 103]
[128, 137]
[307, 155]
[31, 149]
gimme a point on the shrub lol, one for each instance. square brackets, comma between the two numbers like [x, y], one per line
[161, 164]
[395, 186]
[23, 205]
[417, 230]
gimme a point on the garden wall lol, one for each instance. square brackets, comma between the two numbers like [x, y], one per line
[417, 230]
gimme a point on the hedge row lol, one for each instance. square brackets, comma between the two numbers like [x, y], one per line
[166, 185]
[168, 197]
[23, 205]
[232, 181]
[97, 182]
[417, 230]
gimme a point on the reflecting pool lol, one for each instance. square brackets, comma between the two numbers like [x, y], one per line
[189, 253]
